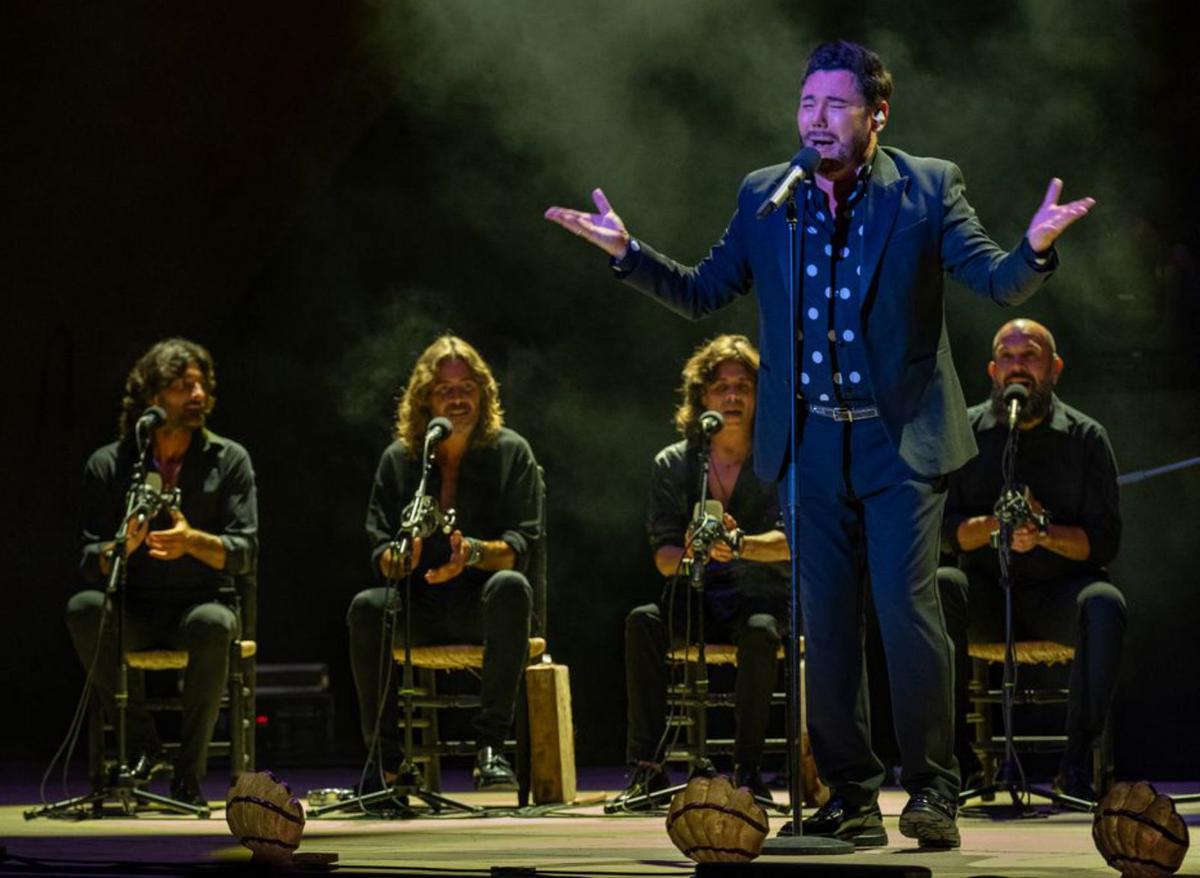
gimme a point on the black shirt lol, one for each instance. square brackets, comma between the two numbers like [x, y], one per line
[216, 484]
[497, 499]
[1069, 466]
[753, 503]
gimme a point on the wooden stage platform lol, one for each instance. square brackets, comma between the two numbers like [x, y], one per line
[576, 841]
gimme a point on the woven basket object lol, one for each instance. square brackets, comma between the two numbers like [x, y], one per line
[1028, 652]
[711, 822]
[1138, 831]
[263, 815]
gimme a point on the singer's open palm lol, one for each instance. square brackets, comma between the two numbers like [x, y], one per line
[603, 228]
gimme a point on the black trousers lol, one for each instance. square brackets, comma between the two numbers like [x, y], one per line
[205, 630]
[1082, 612]
[862, 509]
[754, 627]
[496, 614]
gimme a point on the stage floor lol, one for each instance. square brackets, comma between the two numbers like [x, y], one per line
[579, 841]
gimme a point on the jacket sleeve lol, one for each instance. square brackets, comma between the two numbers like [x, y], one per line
[973, 259]
[695, 291]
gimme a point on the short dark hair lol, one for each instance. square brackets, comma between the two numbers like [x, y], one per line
[874, 80]
[155, 370]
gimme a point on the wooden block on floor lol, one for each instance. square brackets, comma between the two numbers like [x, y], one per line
[551, 733]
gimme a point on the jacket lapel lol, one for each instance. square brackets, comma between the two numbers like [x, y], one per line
[885, 190]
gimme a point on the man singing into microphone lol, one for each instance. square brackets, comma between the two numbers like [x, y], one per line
[468, 587]
[745, 597]
[880, 409]
[182, 564]
[1060, 587]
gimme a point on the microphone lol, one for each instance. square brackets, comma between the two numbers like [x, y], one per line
[1015, 397]
[711, 422]
[149, 495]
[803, 164]
[437, 431]
[151, 419]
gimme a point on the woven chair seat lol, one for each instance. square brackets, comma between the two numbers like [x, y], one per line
[457, 656]
[175, 659]
[1028, 652]
[715, 653]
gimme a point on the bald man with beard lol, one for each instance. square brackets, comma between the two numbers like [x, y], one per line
[1061, 590]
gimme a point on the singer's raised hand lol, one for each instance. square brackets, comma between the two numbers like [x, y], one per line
[603, 228]
[1052, 218]
[460, 549]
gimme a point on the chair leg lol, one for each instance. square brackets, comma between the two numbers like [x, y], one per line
[427, 680]
[523, 743]
[95, 722]
[237, 716]
[983, 729]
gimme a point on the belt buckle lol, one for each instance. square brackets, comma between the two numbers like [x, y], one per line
[844, 414]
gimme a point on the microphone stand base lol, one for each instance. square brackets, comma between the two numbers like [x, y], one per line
[788, 845]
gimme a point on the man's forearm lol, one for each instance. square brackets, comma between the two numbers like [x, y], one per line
[976, 532]
[1067, 540]
[496, 555]
[765, 547]
[206, 548]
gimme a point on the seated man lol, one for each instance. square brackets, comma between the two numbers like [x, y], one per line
[745, 597]
[182, 563]
[467, 588]
[1060, 587]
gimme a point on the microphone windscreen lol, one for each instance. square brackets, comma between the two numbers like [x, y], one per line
[154, 482]
[439, 425]
[808, 159]
[1016, 391]
[154, 416]
[711, 422]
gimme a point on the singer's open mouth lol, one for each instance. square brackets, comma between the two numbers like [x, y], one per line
[1024, 380]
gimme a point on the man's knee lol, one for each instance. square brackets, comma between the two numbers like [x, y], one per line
[365, 610]
[760, 635]
[1102, 606]
[83, 612]
[211, 626]
[508, 591]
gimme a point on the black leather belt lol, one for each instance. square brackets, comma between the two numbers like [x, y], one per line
[844, 413]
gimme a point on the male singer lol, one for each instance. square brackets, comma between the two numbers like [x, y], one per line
[881, 413]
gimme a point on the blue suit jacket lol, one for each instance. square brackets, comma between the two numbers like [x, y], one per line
[918, 226]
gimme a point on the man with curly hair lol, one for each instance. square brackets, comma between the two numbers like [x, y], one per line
[745, 597]
[468, 587]
[182, 563]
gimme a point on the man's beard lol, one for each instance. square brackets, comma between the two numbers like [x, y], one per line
[1041, 394]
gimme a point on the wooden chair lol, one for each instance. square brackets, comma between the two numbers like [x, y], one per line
[238, 700]
[988, 744]
[688, 704]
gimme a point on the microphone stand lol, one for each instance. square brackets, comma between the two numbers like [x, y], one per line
[1011, 777]
[420, 519]
[122, 786]
[791, 839]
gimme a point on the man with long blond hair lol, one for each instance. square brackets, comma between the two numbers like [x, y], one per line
[468, 587]
[745, 595]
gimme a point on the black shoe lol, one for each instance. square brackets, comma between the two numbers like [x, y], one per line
[646, 778]
[860, 824]
[930, 819]
[1074, 782]
[492, 771]
[749, 777]
[188, 792]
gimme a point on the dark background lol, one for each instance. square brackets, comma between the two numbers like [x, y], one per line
[315, 190]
